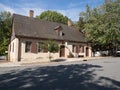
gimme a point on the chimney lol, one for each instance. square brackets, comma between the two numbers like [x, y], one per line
[31, 13]
[69, 23]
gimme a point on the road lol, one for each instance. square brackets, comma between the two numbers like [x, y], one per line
[102, 74]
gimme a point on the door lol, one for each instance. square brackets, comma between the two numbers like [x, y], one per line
[87, 51]
[62, 51]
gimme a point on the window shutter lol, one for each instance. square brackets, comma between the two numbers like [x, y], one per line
[34, 47]
[77, 51]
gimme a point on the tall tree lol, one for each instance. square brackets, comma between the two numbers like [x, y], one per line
[80, 24]
[5, 31]
[112, 22]
[102, 24]
[83, 18]
[53, 16]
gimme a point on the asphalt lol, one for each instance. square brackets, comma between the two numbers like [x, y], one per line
[93, 74]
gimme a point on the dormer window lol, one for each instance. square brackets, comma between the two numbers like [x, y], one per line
[59, 31]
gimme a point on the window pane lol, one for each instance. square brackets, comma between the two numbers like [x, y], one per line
[27, 47]
[73, 48]
[82, 49]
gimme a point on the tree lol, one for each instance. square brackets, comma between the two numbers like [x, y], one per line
[102, 24]
[83, 18]
[112, 22]
[5, 31]
[80, 24]
[53, 16]
[51, 46]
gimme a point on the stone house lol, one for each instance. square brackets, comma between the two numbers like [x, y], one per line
[29, 33]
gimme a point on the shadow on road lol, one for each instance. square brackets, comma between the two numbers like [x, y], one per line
[68, 77]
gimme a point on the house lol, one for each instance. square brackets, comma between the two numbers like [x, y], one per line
[29, 33]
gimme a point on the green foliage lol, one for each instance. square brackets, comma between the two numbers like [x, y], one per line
[5, 31]
[102, 24]
[51, 46]
[80, 24]
[53, 16]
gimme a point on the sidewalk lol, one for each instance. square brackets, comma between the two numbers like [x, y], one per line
[9, 64]
[16, 64]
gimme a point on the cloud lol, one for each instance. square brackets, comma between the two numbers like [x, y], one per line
[23, 9]
[73, 5]
[6, 8]
[70, 9]
[37, 11]
[73, 14]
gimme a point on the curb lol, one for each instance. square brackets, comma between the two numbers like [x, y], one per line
[16, 64]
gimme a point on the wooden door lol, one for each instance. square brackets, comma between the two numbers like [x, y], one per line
[62, 51]
[87, 51]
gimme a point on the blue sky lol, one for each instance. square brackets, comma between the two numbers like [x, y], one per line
[69, 8]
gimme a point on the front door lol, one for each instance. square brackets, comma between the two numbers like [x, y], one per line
[62, 51]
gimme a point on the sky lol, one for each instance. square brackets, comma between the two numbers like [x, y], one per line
[69, 8]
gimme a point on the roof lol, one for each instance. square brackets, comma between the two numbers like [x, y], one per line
[36, 28]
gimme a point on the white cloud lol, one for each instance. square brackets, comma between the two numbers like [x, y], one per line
[25, 11]
[72, 5]
[21, 10]
[73, 14]
[6, 8]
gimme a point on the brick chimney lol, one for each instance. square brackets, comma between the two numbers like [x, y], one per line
[69, 23]
[31, 13]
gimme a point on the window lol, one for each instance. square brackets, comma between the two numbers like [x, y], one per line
[61, 33]
[58, 30]
[73, 48]
[77, 49]
[82, 49]
[27, 46]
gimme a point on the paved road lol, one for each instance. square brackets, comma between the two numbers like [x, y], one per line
[102, 74]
